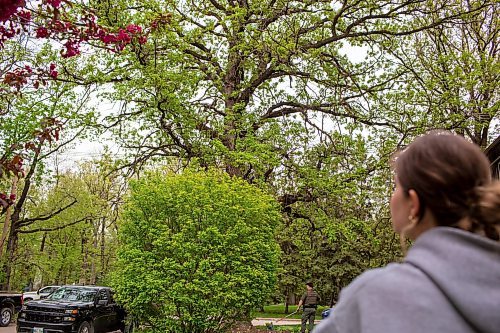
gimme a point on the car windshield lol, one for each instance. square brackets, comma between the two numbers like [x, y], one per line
[47, 290]
[73, 294]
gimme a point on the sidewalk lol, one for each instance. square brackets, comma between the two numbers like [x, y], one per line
[287, 321]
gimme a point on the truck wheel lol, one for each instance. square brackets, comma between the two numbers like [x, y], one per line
[5, 317]
[85, 327]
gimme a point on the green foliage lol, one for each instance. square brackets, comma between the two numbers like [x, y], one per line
[340, 227]
[77, 245]
[241, 85]
[50, 252]
[448, 76]
[197, 251]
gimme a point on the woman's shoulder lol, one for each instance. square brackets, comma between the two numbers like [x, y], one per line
[391, 279]
[370, 297]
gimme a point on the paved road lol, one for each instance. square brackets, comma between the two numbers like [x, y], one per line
[275, 321]
[9, 329]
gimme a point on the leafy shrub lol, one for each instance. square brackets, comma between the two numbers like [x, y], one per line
[197, 251]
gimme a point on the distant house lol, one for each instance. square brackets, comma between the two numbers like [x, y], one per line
[493, 153]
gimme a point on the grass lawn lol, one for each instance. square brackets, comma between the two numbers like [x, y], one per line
[278, 311]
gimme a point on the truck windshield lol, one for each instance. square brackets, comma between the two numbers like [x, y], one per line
[73, 294]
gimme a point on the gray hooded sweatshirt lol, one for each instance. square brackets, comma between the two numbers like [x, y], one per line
[449, 282]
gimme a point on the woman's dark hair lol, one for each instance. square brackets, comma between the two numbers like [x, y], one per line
[452, 179]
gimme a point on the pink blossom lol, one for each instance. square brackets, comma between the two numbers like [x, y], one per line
[52, 67]
[143, 40]
[24, 15]
[109, 38]
[54, 3]
[100, 33]
[71, 49]
[124, 36]
[9, 8]
[58, 26]
[53, 74]
[5, 34]
[42, 32]
[132, 28]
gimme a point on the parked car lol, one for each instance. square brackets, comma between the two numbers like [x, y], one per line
[73, 309]
[40, 293]
[9, 304]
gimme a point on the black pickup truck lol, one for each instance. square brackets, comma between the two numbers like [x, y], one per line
[73, 309]
[9, 304]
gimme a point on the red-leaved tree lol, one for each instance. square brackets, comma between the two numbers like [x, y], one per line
[75, 27]
[53, 20]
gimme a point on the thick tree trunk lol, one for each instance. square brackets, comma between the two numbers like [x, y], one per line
[103, 247]
[289, 300]
[15, 223]
[93, 269]
[8, 215]
[332, 299]
[11, 250]
[85, 261]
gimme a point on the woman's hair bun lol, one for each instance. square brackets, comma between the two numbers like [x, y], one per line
[485, 210]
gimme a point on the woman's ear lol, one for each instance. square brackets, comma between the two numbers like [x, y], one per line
[414, 204]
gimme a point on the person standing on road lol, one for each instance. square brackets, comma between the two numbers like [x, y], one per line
[310, 301]
[446, 202]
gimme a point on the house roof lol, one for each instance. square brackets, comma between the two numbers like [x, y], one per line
[493, 150]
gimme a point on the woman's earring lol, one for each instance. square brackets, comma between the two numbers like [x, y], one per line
[413, 220]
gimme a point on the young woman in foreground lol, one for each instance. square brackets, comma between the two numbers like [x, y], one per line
[449, 282]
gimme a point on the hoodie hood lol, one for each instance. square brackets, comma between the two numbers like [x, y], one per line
[466, 268]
